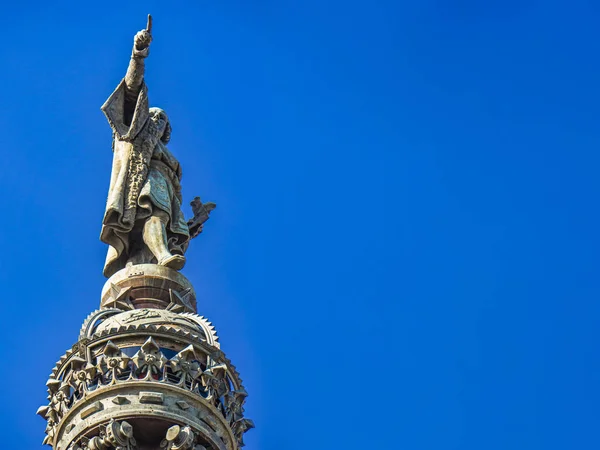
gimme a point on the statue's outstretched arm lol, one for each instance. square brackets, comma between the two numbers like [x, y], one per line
[135, 71]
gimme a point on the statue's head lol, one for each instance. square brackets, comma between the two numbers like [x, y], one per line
[160, 118]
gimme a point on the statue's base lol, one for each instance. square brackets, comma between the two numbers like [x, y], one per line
[148, 286]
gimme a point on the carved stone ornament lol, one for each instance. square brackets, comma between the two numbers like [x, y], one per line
[179, 438]
[240, 427]
[234, 401]
[213, 379]
[82, 375]
[115, 435]
[149, 361]
[113, 364]
[201, 214]
[185, 366]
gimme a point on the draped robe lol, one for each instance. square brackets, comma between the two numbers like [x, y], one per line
[145, 176]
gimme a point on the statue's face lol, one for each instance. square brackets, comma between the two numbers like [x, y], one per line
[159, 117]
[161, 121]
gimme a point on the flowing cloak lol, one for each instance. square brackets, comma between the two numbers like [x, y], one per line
[145, 175]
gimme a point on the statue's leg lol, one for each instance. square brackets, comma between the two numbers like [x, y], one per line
[141, 254]
[138, 252]
[155, 237]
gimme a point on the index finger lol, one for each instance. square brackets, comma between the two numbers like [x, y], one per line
[149, 24]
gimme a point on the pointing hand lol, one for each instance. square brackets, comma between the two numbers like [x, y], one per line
[143, 38]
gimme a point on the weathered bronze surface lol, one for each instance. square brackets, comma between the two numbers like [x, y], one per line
[143, 221]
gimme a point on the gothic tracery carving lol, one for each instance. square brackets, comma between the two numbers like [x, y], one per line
[112, 366]
[149, 361]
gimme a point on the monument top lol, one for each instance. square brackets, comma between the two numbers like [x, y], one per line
[147, 372]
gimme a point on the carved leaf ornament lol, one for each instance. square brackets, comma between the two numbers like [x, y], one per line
[112, 366]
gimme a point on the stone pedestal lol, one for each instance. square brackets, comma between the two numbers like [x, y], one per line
[148, 286]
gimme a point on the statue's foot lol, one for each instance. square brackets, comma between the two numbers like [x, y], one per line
[175, 262]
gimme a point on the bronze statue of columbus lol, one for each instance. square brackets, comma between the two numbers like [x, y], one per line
[143, 221]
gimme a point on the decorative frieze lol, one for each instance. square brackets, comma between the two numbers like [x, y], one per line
[197, 368]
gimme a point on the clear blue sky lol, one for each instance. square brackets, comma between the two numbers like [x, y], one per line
[406, 249]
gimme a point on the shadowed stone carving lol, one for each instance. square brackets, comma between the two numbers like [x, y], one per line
[112, 363]
[115, 435]
[149, 361]
[201, 214]
[179, 438]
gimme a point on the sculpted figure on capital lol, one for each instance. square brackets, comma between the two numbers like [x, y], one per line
[143, 221]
